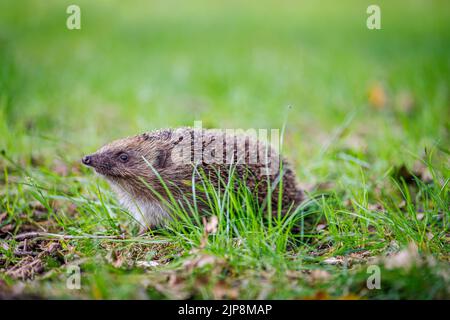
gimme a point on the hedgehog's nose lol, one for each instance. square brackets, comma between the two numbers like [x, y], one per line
[86, 160]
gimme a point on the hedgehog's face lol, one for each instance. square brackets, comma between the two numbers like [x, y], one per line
[127, 159]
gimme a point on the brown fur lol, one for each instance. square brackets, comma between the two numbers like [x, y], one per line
[159, 148]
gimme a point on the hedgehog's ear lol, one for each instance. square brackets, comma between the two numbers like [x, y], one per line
[161, 159]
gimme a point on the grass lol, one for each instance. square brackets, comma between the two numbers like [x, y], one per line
[367, 133]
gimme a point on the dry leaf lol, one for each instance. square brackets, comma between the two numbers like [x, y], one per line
[211, 224]
[353, 258]
[377, 96]
[319, 275]
[406, 258]
[205, 260]
[377, 207]
[115, 258]
[422, 171]
[3, 216]
[199, 261]
[222, 290]
[6, 229]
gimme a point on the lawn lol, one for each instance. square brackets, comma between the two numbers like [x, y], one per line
[367, 118]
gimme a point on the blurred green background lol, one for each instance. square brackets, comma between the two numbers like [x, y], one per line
[361, 108]
[140, 65]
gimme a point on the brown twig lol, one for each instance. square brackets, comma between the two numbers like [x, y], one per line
[24, 253]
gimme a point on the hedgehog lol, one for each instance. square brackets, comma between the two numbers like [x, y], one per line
[142, 169]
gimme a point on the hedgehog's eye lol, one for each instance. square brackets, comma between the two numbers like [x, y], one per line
[123, 157]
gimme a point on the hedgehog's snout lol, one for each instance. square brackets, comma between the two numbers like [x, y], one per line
[99, 162]
[87, 160]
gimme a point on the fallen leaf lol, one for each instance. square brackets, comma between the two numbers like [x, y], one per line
[211, 224]
[6, 229]
[205, 260]
[422, 171]
[199, 261]
[377, 207]
[377, 96]
[3, 216]
[318, 275]
[404, 259]
[294, 274]
[223, 290]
